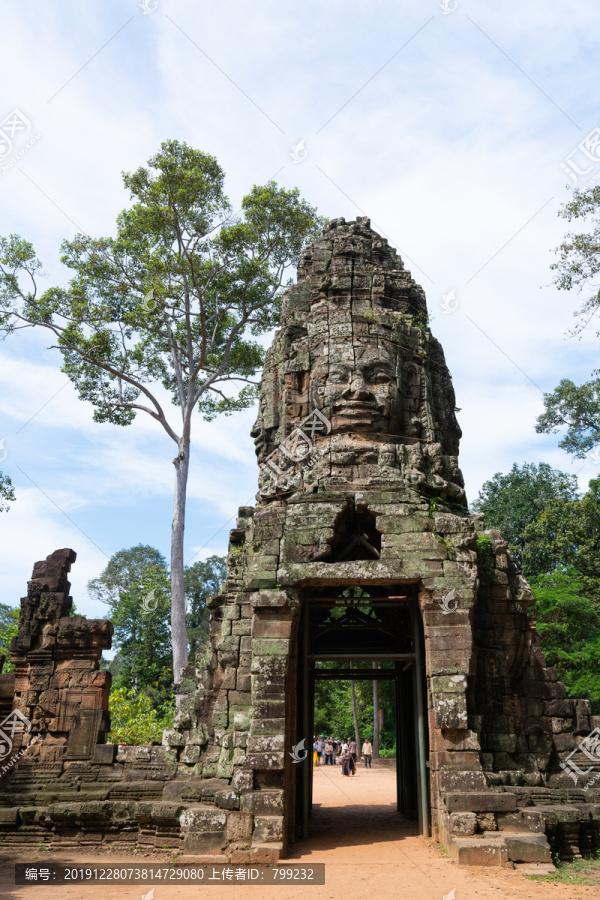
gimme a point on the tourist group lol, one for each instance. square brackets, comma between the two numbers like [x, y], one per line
[328, 751]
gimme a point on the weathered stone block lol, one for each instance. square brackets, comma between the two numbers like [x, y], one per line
[265, 647]
[265, 760]
[462, 824]
[264, 803]
[478, 802]
[239, 827]
[243, 780]
[227, 799]
[529, 848]
[267, 829]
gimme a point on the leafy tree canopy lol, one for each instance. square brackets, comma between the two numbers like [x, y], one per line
[123, 572]
[567, 534]
[142, 635]
[568, 623]
[134, 720]
[568, 406]
[515, 500]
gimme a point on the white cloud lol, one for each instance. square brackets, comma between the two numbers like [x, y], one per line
[449, 148]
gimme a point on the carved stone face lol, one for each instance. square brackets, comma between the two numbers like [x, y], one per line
[363, 395]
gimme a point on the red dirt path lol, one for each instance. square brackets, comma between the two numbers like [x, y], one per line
[369, 850]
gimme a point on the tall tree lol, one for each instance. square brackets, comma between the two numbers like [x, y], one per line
[202, 580]
[175, 301]
[375, 715]
[513, 501]
[355, 713]
[571, 408]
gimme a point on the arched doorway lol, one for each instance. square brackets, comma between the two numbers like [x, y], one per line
[343, 625]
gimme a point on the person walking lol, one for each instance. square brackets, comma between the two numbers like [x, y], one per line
[344, 759]
[367, 752]
[315, 757]
[328, 752]
[352, 748]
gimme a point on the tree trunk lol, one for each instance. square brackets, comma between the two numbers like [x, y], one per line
[178, 632]
[354, 715]
[375, 715]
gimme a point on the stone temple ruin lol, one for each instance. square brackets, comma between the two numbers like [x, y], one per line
[360, 547]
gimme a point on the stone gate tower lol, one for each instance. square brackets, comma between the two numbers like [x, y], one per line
[360, 547]
[361, 495]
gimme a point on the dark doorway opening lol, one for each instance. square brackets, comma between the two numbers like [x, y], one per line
[356, 538]
[344, 626]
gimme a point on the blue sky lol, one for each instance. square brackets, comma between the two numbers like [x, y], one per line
[447, 128]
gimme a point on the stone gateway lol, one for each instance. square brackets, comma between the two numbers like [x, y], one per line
[360, 547]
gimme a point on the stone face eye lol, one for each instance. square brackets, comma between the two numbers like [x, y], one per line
[380, 376]
[338, 376]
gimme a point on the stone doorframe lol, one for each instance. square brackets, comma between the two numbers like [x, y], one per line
[299, 720]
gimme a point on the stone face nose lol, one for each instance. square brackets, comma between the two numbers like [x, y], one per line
[358, 390]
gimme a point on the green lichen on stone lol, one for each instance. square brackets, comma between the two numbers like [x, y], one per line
[485, 558]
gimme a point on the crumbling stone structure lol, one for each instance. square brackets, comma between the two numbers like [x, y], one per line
[360, 546]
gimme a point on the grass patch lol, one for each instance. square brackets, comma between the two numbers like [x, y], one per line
[580, 871]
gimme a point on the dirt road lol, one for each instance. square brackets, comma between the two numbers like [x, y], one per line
[369, 851]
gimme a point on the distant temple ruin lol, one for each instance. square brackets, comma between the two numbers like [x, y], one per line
[360, 547]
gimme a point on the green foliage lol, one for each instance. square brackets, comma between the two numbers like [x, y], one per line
[135, 584]
[388, 752]
[134, 720]
[202, 580]
[485, 557]
[333, 708]
[124, 570]
[176, 301]
[567, 533]
[176, 298]
[578, 871]
[511, 502]
[577, 408]
[578, 265]
[142, 635]
[7, 493]
[9, 626]
[568, 623]
[555, 535]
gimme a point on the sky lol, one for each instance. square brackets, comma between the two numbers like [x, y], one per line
[457, 126]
